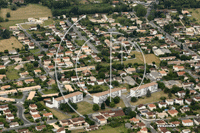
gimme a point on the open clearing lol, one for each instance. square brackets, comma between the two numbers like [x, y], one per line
[106, 129]
[9, 44]
[195, 14]
[155, 97]
[139, 58]
[12, 73]
[23, 13]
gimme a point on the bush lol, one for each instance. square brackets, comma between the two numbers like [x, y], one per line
[103, 106]
[8, 14]
[116, 100]
[112, 104]
[95, 107]
[134, 99]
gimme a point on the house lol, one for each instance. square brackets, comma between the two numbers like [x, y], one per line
[34, 112]
[3, 107]
[32, 106]
[150, 115]
[13, 51]
[14, 124]
[2, 67]
[162, 115]
[197, 99]
[61, 130]
[181, 94]
[187, 122]
[1, 125]
[100, 82]
[188, 101]
[130, 70]
[197, 121]
[142, 90]
[74, 97]
[24, 74]
[178, 68]
[74, 122]
[37, 71]
[33, 28]
[162, 104]
[134, 120]
[169, 101]
[40, 128]
[161, 122]
[141, 106]
[151, 106]
[92, 128]
[36, 117]
[10, 117]
[102, 96]
[51, 82]
[173, 113]
[184, 109]
[163, 130]
[179, 101]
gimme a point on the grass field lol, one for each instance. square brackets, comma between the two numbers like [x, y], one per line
[59, 115]
[106, 129]
[139, 58]
[80, 42]
[9, 44]
[50, 91]
[195, 14]
[22, 14]
[155, 97]
[12, 73]
[35, 51]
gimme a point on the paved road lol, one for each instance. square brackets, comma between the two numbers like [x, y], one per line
[82, 37]
[28, 125]
[20, 113]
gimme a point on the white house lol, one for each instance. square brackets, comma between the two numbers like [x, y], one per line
[73, 97]
[142, 90]
[102, 96]
[187, 122]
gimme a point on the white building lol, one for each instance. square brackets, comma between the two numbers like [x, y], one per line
[73, 97]
[102, 96]
[142, 90]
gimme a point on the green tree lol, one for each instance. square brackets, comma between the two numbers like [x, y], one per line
[140, 10]
[134, 99]
[116, 100]
[103, 106]
[8, 14]
[148, 93]
[112, 104]
[95, 107]
[6, 34]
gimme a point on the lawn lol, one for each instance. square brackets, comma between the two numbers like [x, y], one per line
[27, 26]
[195, 14]
[50, 91]
[12, 73]
[9, 44]
[155, 97]
[16, 97]
[120, 104]
[107, 129]
[35, 51]
[80, 42]
[22, 14]
[58, 114]
[139, 58]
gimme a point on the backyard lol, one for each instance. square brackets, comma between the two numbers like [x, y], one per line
[12, 73]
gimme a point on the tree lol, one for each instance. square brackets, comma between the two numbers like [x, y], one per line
[35, 64]
[103, 106]
[13, 7]
[8, 14]
[95, 107]
[116, 100]
[140, 10]
[148, 93]
[38, 26]
[6, 34]
[170, 95]
[134, 99]
[112, 104]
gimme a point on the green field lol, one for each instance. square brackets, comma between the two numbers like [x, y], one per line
[107, 129]
[195, 14]
[50, 91]
[155, 97]
[35, 51]
[12, 73]
[23, 13]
